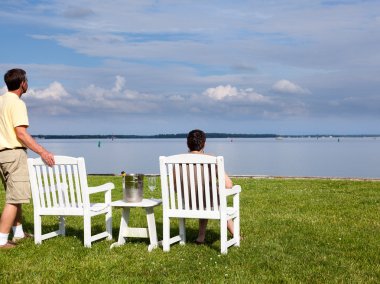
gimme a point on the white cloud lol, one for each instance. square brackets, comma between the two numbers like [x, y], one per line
[221, 92]
[55, 91]
[119, 84]
[285, 86]
[97, 93]
[55, 100]
[231, 93]
[130, 94]
[253, 96]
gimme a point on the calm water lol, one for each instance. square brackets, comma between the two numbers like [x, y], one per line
[324, 157]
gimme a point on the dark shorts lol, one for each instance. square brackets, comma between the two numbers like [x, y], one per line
[15, 176]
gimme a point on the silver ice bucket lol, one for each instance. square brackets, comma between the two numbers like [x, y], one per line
[133, 187]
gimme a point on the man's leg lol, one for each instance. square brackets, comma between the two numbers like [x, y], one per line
[18, 231]
[7, 219]
[18, 219]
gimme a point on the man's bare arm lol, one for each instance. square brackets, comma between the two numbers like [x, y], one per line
[23, 135]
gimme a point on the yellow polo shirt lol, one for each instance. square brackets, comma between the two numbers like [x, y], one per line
[13, 113]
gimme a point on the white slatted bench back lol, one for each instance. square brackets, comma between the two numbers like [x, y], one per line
[59, 186]
[190, 185]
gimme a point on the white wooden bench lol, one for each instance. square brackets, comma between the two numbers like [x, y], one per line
[191, 189]
[62, 190]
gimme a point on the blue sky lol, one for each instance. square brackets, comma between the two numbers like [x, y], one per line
[150, 67]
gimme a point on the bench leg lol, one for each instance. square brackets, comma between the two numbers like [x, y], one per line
[87, 230]
[182, 230]
[223, 235]
[37, 229]
[62, 228]
[109, 224]
[166, 234]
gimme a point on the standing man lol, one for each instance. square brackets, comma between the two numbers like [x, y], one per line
[14, 140]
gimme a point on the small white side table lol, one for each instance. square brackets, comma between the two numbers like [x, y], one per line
[126, 231]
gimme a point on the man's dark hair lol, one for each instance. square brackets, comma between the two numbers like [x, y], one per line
[196, 140]
[13, 78]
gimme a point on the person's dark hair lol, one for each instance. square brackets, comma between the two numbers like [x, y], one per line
[13, 78]
[196, 140]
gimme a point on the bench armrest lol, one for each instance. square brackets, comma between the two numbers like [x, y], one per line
[100, 188]
[234, 190]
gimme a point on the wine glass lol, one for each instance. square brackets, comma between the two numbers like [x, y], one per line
[152, 183]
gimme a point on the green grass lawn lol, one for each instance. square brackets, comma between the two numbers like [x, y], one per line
[295, 231]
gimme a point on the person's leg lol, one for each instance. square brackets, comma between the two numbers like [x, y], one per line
[18, 231]
[18, 219]
[230, 226]
[7, 219]
[202, 230]
[18, 189]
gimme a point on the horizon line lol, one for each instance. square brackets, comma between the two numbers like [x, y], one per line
[209, 135]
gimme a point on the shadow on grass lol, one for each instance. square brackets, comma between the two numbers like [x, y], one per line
[212, 236]
[74, 228]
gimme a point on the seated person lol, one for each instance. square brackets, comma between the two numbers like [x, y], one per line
[196, 140]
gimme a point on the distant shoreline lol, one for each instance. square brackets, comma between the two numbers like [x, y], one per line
[271, 177]
[209, 135]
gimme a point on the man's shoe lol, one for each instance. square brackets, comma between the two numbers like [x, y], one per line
[8, 245]
[26, 236]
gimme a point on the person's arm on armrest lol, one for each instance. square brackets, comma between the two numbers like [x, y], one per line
[23, 135]
[229, 183]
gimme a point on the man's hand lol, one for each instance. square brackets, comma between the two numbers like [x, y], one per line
[48, 158]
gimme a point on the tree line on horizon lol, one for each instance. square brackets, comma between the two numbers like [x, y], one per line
[184, 135]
